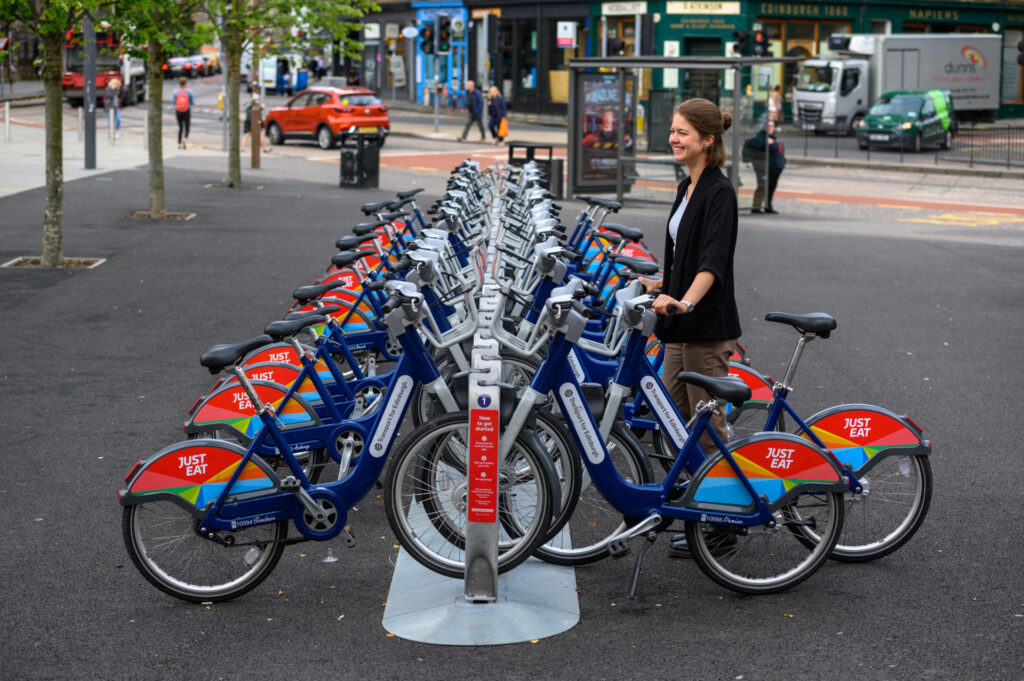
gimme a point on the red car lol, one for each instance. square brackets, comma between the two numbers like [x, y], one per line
[323, 113]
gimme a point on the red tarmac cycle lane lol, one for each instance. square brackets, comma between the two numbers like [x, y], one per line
[486, 155]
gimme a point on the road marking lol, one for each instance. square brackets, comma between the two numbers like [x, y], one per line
[967, 219]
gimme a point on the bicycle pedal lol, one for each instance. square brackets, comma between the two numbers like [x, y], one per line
[618, 549]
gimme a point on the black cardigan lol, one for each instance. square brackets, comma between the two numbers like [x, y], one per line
[707, 241]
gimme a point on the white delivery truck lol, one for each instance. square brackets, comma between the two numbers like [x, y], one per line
[833, 92]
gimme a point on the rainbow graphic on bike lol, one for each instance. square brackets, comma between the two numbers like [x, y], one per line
[857, 436]
[198, 474]
[773, 468]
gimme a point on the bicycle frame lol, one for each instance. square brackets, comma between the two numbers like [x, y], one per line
[743, 506]
[246, 493]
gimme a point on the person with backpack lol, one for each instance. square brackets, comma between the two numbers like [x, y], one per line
[183, 101]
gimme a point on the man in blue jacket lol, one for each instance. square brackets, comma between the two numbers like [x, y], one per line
[475, 105]
[776, 162]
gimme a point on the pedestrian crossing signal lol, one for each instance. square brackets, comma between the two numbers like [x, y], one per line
[761, 44]
[427, 39]
[444, 34]
[742, 44]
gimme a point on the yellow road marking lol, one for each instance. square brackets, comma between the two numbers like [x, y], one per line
[968, 219]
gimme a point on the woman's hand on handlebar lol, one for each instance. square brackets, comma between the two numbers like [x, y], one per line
[665, 304]
[650, 284]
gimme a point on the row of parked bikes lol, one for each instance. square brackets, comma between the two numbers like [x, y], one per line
[306, 418]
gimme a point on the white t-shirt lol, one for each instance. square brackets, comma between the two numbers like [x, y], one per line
[673, 223]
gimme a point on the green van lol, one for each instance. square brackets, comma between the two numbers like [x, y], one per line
[909, 119]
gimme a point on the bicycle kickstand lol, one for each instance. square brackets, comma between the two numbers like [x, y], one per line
[651, 537]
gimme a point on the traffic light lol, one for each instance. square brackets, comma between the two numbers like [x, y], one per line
[742, 44]
[1020, 53]
[427, 39]
[444, 34]
[761, 44]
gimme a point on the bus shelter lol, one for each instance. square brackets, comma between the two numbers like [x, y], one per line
[603, 106]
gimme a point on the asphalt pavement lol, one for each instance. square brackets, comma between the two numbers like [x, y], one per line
[101, 365]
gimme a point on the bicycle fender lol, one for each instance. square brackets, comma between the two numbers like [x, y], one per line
[779, 466]
[229, 408]
[860, 435]
[762, 390]
[194, 473]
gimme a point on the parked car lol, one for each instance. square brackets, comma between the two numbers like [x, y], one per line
[179, 66]
[909, 119]
[201, 66]
[213, 58]
[322, 114]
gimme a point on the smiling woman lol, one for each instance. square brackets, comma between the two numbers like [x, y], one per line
[698, 321]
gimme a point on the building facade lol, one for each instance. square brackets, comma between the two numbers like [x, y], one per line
[523, 46]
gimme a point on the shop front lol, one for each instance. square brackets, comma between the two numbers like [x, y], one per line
[524, 48]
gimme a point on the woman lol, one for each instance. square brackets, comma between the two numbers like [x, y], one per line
[112, 102]
[247, 125]
[775, 104]
[183, 101]
[498, 111]
[699, 323]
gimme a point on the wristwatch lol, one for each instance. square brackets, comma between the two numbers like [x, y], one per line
[688, 304]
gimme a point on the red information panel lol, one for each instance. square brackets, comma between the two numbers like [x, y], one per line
[483, 466]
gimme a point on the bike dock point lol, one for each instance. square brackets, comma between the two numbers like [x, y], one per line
[536, 599]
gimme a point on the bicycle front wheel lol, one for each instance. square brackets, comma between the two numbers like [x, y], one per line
[584, 539]
[763, 560]
[164, 543]
[426, 497]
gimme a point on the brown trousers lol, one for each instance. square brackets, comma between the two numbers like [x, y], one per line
[710, 358]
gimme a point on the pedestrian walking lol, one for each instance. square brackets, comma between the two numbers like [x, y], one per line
[475, 108]
[112, 103]
[183, 101]
[353, 77]
[698, 321]
[767, 174]
[775, 104]
[497, 110]
[247, 125]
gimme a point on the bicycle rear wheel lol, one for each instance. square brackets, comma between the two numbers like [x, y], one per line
[584, 539]
[895, 500]
[763, 560]
[426, 497]
[163, 542]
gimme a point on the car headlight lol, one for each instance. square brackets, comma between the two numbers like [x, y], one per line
[908, 125]
[861, 123]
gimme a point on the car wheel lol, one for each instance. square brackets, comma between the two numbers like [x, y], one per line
[274, 134]
[324, 137]
[853, 125]
[917, 143]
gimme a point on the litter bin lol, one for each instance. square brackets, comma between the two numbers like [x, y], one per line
[552, 165]
[301, 80]
[360, 159]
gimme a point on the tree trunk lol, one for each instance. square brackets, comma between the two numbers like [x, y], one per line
[53, 216]
[234, 44]
[155, 76]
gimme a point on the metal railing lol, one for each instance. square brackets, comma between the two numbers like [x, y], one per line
[983, 144]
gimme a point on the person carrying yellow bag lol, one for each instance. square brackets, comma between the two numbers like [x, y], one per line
[498, 115]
